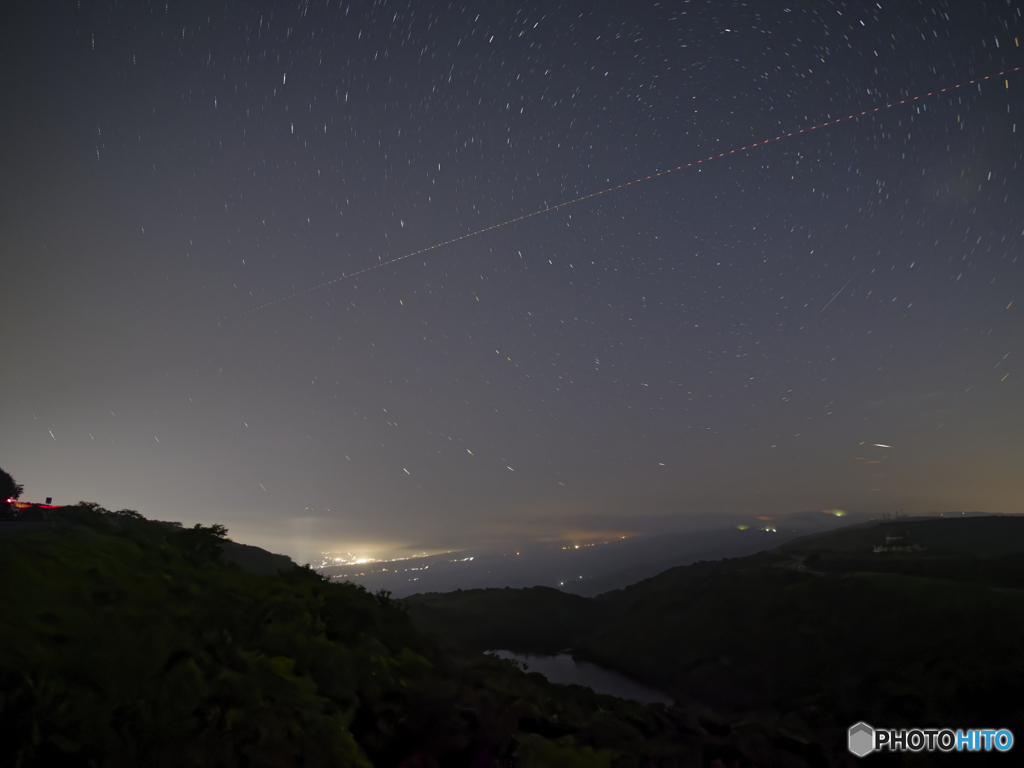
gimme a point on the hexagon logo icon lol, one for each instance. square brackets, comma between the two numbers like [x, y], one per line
[861, 739]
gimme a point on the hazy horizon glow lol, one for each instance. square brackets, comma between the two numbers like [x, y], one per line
[831, 321]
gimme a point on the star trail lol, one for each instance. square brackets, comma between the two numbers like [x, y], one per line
[626, 184]
[385, 277]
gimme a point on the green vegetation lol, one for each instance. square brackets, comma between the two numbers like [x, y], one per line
[131, 642]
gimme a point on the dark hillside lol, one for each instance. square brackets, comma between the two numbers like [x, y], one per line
[817, 634]
[986, 550]
[487, 619]
[127, 642]
[980, 536]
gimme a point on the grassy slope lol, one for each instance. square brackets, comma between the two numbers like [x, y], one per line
[121, 648]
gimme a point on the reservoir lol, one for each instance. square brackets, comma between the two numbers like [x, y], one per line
[564, 669]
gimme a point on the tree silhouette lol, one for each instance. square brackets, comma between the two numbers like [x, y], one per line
[202, 544]
[8, 488]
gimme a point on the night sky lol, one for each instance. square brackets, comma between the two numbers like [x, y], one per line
[832, 320]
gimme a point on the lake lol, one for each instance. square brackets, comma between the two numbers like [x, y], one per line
[566, 670]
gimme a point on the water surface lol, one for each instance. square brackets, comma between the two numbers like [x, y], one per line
[566, 670]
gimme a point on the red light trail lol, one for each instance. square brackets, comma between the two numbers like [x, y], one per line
[691, 164]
